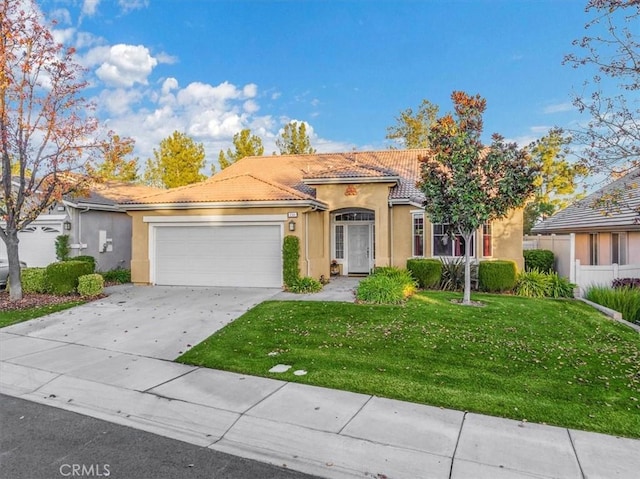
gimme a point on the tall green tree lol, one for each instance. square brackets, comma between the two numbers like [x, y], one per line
[245, 144]
[178, 162]
[557, 179]
[610, 53]
[467, 184]
[46, 126]
[115, 164]
[294, 140]
[412, 129]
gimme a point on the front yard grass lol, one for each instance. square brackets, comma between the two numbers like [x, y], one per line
[7, 318]
[548, 361]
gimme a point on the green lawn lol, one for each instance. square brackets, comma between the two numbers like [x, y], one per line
[548, 361]
[7, 318]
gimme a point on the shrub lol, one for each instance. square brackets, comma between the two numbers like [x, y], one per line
[497, 276]
[532, 284]
[290, 260]
[387, 285]
[62, 277]
[86, 258]
[540, 259]
[626, 283]
[90, 285]
[624, 300]
[118, 275]
[62, 247]
[428, 272]
[305, 285]
[559, 286]
[453, 274]
[33, 280]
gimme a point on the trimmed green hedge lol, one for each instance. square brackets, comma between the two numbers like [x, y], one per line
[91, 285]
[33, 280]
[497, 276]
[539, 259]
[62, 277]
[428, 272]
[88, 259]
[290, 260]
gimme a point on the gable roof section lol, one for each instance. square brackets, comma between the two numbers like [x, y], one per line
[291, 178]
[110, 193]
[592, 214]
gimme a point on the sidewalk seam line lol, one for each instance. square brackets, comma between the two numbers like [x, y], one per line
[148, 390]
[455, 449]
[354, 416]
[573, 447]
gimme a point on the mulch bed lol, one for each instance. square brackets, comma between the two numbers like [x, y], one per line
[38, 300]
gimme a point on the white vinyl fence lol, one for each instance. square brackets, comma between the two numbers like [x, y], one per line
[566, 264]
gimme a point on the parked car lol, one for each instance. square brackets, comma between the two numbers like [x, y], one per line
[4, 271]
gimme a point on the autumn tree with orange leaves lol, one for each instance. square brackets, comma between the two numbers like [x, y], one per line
[467, 184]
[46, 127]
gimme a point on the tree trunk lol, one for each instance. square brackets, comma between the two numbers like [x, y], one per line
[466, 299]
[15, 278]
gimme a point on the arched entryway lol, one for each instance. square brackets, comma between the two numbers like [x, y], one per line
[353, 240]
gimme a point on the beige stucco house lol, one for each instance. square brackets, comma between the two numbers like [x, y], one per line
[361, 209]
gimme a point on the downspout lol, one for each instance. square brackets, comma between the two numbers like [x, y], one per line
[391, 226]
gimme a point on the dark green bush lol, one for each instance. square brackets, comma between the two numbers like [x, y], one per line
[86, 258]
[90, 285]
[540, 259]
[497, 276]
[118, 275]
[33, 280]
[62, 247]
[290, 260]
[305, 285]
[428, 272]
[62, 277]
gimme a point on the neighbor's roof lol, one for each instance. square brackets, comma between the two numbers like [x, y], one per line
[613, 207]
[291, 178]
[111, 193]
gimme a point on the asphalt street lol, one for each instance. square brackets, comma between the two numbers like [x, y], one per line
[43, 442]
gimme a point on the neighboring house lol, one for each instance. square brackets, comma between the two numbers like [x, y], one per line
[603, 230]
[361, 209]
[95, 224]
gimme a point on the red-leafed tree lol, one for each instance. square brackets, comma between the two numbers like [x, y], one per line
[467, 184]
[46, 127]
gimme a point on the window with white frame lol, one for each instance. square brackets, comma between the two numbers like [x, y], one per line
[447, 243]
[619, 248]
[418, 234]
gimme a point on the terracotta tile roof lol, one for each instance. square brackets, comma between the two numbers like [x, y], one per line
[114, 192]
[586, 215]
[282, 177]
[239, 188]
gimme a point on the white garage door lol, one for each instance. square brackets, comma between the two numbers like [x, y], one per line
[229, 255]
[37, 245]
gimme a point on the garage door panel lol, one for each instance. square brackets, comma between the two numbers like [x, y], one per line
[226, 255]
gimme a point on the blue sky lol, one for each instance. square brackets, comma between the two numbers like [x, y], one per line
[210, 68]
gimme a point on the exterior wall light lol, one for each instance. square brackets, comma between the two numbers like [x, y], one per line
[67, 225]
[292, 225]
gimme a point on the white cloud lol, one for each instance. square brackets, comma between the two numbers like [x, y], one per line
[558, 108]
[250, 90]
[129, 5]
[89, 7]
[124, 65]
[250, 106]
[64, 36]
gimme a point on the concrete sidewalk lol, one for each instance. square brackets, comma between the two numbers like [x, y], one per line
[320, 431]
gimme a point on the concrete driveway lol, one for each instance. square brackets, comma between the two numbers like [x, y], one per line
[158, 322]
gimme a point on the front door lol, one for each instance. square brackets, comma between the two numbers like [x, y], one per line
[359, 246]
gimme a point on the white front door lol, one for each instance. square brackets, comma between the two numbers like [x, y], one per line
[359, 248]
